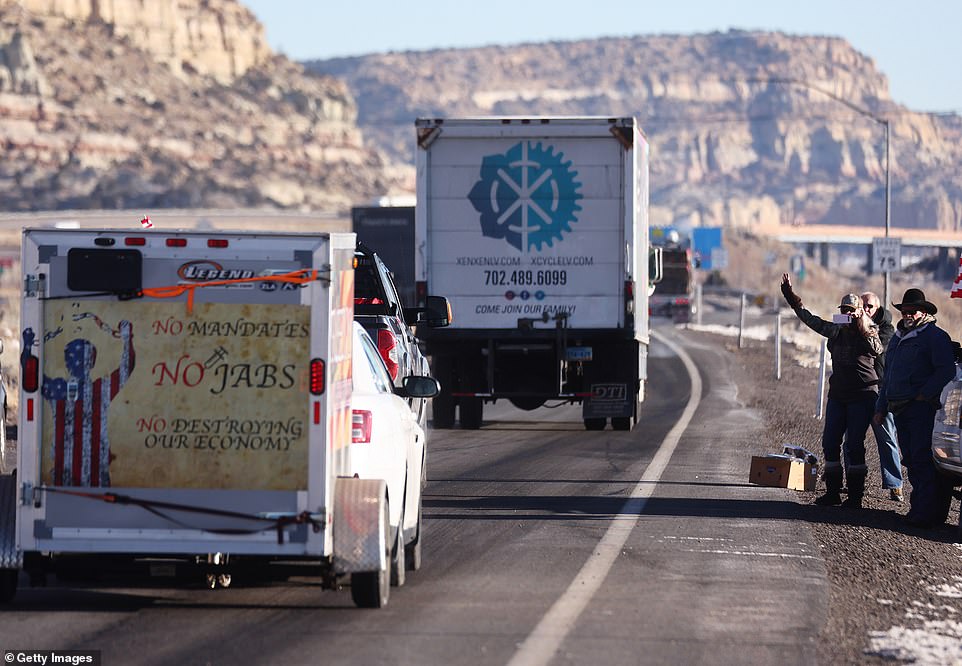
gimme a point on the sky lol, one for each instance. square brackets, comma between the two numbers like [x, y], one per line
[916, 44]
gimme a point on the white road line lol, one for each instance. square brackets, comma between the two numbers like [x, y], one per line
[542, 643]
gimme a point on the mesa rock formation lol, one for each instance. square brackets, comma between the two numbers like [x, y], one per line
[109, 105]
[181, 104]
[747, 128]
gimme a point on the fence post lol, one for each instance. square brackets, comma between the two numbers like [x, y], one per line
[698, 303]
[778, 345]
[821, 379]
[741, 320]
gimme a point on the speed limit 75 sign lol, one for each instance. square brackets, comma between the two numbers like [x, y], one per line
[887, 254]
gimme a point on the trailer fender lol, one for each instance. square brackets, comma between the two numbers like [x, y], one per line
[10, 556]
[359, 532]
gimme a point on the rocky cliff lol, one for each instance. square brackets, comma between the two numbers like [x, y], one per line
[169, 103]
[747, 128]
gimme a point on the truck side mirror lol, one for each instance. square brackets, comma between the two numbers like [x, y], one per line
[414, 386]
[655, 265]
[435, 314]
[438, 311]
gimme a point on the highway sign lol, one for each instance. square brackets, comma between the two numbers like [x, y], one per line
[887, 255]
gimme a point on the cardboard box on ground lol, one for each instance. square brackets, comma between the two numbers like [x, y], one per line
[783, 471]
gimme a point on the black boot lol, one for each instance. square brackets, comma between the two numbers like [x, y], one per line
[833, 485]
[856, 487]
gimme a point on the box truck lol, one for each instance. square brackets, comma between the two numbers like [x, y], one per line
[536, 229]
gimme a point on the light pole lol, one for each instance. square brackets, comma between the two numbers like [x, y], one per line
[884, 122]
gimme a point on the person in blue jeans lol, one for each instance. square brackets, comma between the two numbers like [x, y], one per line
[885, 436]
[919, 362]
[853, 389]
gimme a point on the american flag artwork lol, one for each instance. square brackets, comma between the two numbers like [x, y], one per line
[79, 405]
[145, 222]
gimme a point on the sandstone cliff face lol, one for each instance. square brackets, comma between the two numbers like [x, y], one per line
[216, 37]
[164, 110]
[729, 145]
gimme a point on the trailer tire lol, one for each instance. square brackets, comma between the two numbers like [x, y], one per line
[472, 413]
[621, 423]
[8, 584]
[596, 423]
[372, 589]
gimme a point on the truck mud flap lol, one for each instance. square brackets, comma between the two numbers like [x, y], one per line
[10, 557]
[358, 530]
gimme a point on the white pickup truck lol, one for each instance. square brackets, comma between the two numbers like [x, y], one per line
[186, 407]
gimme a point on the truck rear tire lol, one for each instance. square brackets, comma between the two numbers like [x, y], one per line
[443, 404]
[372, 589]
[596, 423]
[8, 584]
[621, 423]
[472, 413]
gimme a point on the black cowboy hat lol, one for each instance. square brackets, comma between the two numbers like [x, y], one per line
[915, 298]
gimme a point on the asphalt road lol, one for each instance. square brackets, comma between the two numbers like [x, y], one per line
[544, 543]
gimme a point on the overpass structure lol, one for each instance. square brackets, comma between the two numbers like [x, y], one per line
[818, 240]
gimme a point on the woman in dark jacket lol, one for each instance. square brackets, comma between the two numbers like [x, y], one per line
[852, 392]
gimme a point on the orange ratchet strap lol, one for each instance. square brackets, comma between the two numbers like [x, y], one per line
[301, 276]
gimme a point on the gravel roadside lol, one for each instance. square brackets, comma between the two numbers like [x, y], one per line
[896, 590]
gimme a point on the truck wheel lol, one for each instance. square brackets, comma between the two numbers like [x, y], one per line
[371, 589]
[442, 411]
[595, 423]
[472, 412]
[443, 404]
[8, 584]
[621, 423]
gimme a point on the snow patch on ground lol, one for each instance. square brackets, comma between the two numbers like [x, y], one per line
[937, 641]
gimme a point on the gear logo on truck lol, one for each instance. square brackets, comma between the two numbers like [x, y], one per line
[527, 196]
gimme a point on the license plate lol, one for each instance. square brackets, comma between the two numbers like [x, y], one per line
[579, 354]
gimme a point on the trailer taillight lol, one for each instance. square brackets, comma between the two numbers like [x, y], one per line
[361, 422]
[135, 240]
[217, 242]
[176, 242]
[317, 376]
[388, 347]
[30, 373]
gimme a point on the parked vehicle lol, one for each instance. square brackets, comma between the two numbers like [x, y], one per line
[537, 231]
[387, 443]
[186, 408]
[377, 307]
[947, 433]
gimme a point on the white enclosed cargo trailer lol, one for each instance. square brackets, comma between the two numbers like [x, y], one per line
[536, 229]
[185, 404]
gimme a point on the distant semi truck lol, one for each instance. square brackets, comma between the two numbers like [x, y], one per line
[389, 231]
